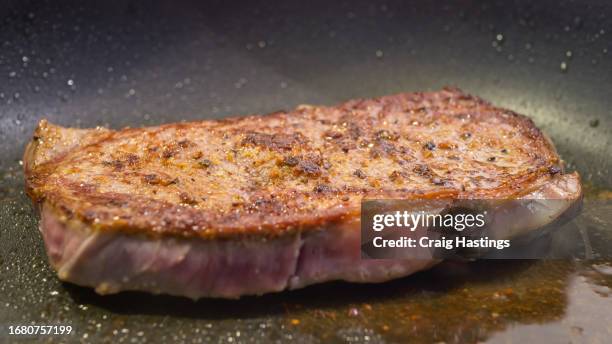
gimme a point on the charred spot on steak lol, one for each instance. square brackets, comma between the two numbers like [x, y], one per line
[154, 179]
[422, 170]
[132, 159]
[323, 188]
[308, 167]
[359, 174]
[396, 176]
[274, 141]
[117, 165]
[168, 153]
[291, 161]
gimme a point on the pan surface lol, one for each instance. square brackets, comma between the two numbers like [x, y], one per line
[134, 64]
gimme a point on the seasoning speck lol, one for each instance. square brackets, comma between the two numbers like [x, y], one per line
[205, 163]
[359, 174]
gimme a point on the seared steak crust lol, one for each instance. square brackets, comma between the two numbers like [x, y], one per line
[287, 172]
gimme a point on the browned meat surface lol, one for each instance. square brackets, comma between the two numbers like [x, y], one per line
[200, 208]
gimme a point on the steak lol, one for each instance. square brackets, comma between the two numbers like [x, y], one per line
[265, 203]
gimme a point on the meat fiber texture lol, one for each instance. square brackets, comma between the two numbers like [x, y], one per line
[265, 203]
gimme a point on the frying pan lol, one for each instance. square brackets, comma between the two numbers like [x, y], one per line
[133, 63]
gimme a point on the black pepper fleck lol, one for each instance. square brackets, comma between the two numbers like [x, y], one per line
[359, 174]
[321, 188]
[430, 145]
[291, 161]
[554, 169]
